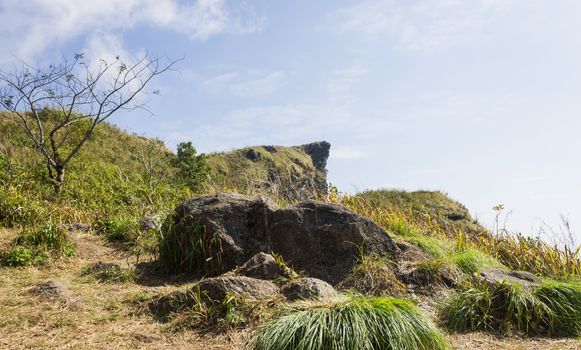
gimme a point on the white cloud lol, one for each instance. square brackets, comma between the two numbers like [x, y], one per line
[30, 27]
[238, 84]
[348, 153]
[421, 25]
[343, 80]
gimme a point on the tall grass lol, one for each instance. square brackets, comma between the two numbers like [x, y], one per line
[355, 323]
[553, 308]
[192, 249]
[513, 251]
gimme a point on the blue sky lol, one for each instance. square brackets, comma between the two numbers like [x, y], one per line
[477, 98]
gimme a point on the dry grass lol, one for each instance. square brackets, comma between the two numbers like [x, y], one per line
[514, 251]
[100, 316]
[473, 341]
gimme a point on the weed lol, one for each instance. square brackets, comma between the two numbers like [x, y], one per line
[111, 274]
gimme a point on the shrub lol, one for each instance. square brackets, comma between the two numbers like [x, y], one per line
[192, 169]
[353, 323]
[37, 247]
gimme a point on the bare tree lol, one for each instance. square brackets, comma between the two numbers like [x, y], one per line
[78, 97]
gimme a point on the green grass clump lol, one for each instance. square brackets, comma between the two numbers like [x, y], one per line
[436, 247]
[472, 261]
[354, 323]
[553, 308]
[117, 229]
[38, 247]
[113, 274]
[564, 299]
[373, 275]
[192, 250]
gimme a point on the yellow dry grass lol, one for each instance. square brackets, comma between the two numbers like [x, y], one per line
[98, 316]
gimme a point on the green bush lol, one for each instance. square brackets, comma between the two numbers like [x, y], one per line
[38, 247]
[553, 308]
[354, 323]
[192, 169]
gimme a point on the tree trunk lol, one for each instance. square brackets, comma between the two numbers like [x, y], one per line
[59, 179]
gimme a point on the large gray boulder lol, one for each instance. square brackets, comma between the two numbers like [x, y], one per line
[326, 240]
[213, 234]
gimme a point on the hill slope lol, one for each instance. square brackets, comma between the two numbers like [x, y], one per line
[117, 173]
[291, 173]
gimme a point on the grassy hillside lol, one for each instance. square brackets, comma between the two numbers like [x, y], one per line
[427, 206]
[119, 178]
[288, 173]
[109, 176]
[118, 174]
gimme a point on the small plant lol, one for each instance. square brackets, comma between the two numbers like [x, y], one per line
[353, 323]
[17, 256]
[38, 247]
[192, 310]
[472, 261]
[564, 299]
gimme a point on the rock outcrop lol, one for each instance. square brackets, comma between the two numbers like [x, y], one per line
[496, 276]
[213, 234]
[293, 173]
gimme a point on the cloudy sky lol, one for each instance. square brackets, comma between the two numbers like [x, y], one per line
[478, 98]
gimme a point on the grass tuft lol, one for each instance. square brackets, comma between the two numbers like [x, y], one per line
[353, 323]
[373, 276]
[553, 308]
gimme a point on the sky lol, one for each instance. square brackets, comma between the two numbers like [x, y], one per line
[480, 99]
